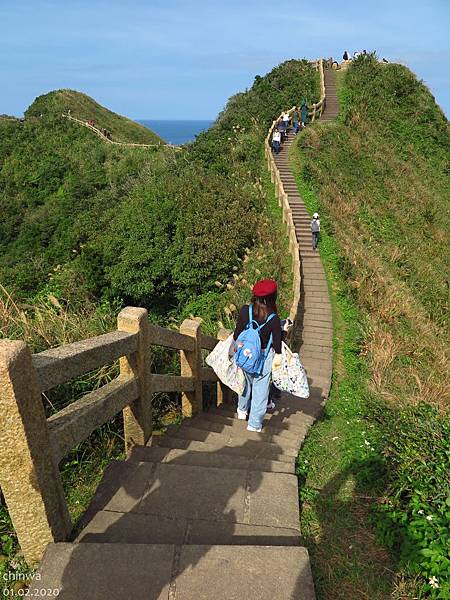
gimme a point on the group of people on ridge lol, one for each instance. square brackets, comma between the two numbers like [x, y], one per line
[296, 122]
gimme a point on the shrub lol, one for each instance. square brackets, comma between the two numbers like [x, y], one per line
[414, 518]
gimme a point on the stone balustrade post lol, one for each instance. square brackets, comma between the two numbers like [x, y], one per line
[192, 402]
[29, 477]
[137, 417]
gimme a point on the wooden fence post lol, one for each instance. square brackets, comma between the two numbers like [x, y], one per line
[29, 477]
[137, 417]
[223, 391]
[192, 402]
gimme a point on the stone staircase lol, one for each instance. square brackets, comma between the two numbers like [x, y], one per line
[209, 510]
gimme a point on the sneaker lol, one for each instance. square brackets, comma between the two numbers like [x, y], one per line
[250, 428]
[271, 405]
[242, 415]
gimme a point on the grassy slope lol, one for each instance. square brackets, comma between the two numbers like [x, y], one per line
[379, 178]
[84, 108]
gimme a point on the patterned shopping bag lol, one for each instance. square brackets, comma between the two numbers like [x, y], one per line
[291, 376]
[225, 368]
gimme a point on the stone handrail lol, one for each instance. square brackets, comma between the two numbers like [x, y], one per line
[317, 109]
[287, 217]
[107, 139]
[32, 446]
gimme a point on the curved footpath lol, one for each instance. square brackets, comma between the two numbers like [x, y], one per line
[209, 510]
[110, 141]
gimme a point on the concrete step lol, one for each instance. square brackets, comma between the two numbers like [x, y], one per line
[218, 459]
[186, 492]
[233, 438]
[318, 314]
[129, 528]
[313, 324]
[310, 339]
[238, 428]
[250, 448]
[295, 425]
[303, 413]
[296, 418]
[316, 345]
[165, 571]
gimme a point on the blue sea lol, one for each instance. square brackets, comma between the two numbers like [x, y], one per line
[176, 132]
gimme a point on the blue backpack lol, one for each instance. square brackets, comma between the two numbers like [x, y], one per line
[249, 355]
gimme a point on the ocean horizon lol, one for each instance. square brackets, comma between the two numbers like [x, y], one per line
[176, 131]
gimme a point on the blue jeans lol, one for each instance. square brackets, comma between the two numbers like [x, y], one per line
[256, 393]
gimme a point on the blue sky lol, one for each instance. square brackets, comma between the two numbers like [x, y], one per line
[184, 58]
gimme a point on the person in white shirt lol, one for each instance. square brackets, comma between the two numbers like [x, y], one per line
[276, 141]
[315, 230]
[286, 119]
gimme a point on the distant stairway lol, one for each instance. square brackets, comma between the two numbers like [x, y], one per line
[314, 328]
[331, 106]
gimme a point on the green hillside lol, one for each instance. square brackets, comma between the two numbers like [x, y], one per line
[85, 108]
[150, 227]
[379, 177]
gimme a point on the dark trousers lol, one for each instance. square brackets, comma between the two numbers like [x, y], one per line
[315, 239]
[276, 147]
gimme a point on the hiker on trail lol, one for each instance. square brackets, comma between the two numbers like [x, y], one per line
[304, 113]
[346, 56]
[286, 118]
[257, 346]
[315, 230]
[276, 141]
[282, 129]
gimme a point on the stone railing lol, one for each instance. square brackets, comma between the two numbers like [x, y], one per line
[314, 112]
[32, 446]
[317, 109]
[287, 218]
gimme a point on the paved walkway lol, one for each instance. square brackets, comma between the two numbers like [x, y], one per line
[209, 511]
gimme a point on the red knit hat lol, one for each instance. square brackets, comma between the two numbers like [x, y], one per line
[265, 287]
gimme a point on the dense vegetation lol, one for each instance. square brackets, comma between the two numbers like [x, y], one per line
[379, 178]
[151, 228]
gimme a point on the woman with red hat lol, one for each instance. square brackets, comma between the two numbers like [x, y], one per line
[253, 402]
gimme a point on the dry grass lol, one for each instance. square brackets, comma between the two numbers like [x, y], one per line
[50, 321]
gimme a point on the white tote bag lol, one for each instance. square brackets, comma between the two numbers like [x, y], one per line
[225, 368]
[291, 376]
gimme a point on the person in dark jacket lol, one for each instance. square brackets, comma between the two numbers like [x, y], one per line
[304, 113]
[253, 402]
